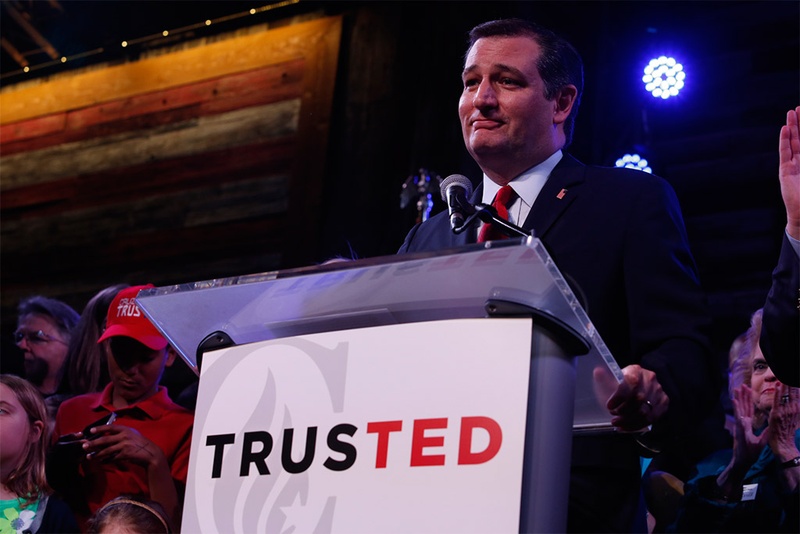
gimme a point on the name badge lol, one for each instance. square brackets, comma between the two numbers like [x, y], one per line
[749, 492]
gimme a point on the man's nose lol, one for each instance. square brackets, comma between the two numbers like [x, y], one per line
[485, 95]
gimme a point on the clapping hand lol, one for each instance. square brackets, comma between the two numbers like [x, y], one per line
[784, 420]
[746, 444]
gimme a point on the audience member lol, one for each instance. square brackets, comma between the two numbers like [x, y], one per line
[86, 369]
[616, 234]
[130, 515]
[130, 438]
[780, 336]
[44, 330]
[26, 500]
[754, 486]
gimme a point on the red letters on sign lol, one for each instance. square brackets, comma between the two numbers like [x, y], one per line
[420, 441]
[468, 424]
[382, 428]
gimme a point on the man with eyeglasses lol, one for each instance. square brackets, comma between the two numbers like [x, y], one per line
[44, 328]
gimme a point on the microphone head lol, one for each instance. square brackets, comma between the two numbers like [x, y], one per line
[456, 179]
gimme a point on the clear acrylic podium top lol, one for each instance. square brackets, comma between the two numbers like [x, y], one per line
[447, 284]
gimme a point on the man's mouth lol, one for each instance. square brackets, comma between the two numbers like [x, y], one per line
[485, 124]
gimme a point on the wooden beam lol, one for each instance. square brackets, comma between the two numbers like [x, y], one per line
[37, 37]
[184, 67]
[13, 52]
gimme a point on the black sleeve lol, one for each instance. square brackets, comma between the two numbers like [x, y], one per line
[780, 331]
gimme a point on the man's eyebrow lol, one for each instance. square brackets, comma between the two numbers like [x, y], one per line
[508, 68]
[502, 67]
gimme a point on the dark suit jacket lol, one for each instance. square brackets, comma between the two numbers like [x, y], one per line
[780, 329]
[618, 237]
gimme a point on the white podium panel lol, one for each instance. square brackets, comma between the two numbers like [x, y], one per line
[416, 427]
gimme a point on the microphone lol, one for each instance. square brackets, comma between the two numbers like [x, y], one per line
[455, 189]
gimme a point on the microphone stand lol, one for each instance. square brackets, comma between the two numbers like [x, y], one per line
[488, 214]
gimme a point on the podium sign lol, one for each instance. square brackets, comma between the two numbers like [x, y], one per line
[364, 430]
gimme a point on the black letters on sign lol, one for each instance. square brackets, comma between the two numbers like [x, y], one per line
[218, 442]
[348, 449]
[286, 453]
[259, 458]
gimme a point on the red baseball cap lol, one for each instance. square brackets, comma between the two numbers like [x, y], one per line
[126, 319]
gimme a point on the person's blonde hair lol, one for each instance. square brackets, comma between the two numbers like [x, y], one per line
[742, 364]
[140, 515]
[28, 480]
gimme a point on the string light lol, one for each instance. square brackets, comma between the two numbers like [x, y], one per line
[175, 32]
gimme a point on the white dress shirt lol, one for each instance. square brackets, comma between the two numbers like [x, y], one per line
[527, 187]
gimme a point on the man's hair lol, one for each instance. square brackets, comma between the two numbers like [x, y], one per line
[63, 316]
[559, 63]
[28, 480]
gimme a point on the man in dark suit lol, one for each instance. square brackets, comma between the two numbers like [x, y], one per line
[616, 234]
[780, 333]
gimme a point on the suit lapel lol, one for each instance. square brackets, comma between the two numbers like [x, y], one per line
[560, 190]
[470, 235]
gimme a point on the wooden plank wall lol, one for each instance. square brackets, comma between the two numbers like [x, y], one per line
[201, 163]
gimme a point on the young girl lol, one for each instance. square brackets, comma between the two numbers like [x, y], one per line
[26, 503]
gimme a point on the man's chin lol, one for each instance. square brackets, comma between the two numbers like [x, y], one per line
[487, 142]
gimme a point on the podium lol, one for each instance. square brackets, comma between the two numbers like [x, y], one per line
[412, 309]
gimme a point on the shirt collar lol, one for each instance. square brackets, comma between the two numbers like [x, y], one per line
[153, 406]
[528, 184]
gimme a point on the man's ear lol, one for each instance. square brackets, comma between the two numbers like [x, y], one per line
[563, 102]
[171, 355]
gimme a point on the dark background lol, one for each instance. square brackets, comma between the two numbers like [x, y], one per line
[398, 84]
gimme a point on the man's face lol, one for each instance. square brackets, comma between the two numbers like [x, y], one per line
[507, 123]
[135, 369]
[43, 347]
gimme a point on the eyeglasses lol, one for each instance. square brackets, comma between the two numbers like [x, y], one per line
[36, 338]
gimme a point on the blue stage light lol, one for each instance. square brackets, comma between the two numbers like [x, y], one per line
[634, 161]
[663, 77]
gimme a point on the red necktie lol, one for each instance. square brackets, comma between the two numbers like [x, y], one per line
[504, 197]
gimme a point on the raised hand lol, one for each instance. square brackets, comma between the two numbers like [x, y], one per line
[789, 170]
